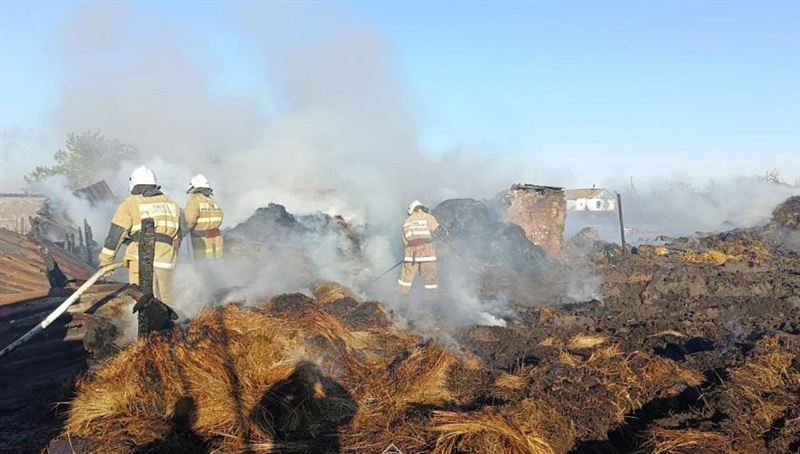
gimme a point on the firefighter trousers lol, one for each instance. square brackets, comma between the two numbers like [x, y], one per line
[207, 248]
[409, 272]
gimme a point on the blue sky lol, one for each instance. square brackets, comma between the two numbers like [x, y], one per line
[706, 89]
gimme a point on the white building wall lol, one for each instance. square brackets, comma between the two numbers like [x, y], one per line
[592, 204]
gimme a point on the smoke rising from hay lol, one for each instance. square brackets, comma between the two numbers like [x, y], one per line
[679, 207]
[319, 121]
[327, 127]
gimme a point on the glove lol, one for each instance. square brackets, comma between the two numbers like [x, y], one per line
[104, 263]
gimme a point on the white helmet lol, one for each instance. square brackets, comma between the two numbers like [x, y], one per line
[198, 181]
[141, 175]
[414, 205]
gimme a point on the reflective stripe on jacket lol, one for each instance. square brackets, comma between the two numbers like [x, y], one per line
[417, 233]
[127, 221]
[419, 226]
[203, 219]
[202, 213]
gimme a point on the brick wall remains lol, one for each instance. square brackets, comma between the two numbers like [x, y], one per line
[541, 211]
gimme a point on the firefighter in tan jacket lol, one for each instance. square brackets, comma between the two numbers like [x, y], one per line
[145, 201]
[420, 253]
[203, 219]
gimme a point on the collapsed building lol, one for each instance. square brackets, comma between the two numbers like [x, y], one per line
[37, 216]
[36, 275]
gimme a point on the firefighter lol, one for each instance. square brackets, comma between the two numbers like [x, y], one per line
[420, 253]
[203, 219]
[145, 201]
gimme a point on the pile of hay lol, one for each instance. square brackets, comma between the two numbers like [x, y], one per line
[762, 398]
[286, 376]
[786, 215]
[289, 376]
[665, 441]
[717, 249]
[758, 403]
[585, 373]
[712, 257]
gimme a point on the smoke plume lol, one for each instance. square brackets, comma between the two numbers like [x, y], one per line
[318, 121]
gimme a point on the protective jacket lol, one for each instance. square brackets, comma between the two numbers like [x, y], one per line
[418, 237]
[127, 223]
[203, 219]
[420, 252]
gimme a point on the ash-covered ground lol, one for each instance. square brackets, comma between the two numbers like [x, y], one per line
[688, 345]
[726, 306]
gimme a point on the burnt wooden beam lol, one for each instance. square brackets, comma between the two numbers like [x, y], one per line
[147, 252]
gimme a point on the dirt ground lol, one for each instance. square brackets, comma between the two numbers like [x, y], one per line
[722, 306]
[693, 347]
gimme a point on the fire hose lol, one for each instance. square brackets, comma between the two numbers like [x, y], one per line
[61, 308]
[377, 278]
[475, 265]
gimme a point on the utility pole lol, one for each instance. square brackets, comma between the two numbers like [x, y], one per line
[621, 223]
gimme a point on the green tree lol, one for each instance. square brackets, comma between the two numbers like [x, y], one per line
[85, 158]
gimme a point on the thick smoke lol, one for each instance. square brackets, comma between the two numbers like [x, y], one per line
[678, 207]
[323, 124]
[674, 207]
[317, 121]
[73, 210]
[334, 130]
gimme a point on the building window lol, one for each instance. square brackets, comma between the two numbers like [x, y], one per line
[599, 204]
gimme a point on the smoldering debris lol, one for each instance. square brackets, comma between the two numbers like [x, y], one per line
[287, 375]
[494, 257]
[786, 216]
[656, 365]
[478, 231]
[489, 258]
[784, 227]
[272, 227]
[683, 350]
[485, 263]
